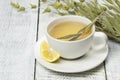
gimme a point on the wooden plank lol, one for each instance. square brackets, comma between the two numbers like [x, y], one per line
[45, 74]
[113, 61]
[17, 39]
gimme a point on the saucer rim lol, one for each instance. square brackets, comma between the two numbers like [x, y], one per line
[53, 69]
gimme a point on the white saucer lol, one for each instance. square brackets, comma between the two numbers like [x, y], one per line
[89, 61]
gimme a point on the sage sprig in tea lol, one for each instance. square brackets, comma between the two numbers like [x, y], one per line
[83, 30]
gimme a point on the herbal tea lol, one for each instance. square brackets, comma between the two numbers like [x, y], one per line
[67, 28]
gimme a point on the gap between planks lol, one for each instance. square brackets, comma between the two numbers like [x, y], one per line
[105, 70]
[37, 35]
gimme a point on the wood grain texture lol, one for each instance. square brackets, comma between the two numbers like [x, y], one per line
[17, 39]
[113, 61]
[45, 74]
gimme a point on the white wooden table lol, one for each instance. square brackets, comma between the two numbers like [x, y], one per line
[18, 33]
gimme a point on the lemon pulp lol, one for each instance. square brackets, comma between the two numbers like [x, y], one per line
[48, 54]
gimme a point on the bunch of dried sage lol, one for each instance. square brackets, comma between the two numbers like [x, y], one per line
[109, 23]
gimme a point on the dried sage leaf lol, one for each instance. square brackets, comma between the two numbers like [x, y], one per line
[57, 5]
[21, 8]
[33, 6]
[15, 5]
[44, 0]
[47, 10]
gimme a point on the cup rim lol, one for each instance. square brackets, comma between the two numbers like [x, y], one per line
[62, 41]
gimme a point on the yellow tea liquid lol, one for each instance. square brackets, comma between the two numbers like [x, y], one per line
[66, 28]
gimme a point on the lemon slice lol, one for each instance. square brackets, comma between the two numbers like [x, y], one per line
[48, 54]
[45, 46]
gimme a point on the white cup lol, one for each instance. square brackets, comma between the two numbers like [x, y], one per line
[77, 48]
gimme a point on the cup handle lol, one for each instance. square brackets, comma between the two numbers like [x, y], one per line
[100, 40]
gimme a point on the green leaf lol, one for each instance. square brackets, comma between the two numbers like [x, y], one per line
[44, 0]
[110, 1]
[33, 6]
[57, 5]
[47, 10]
[15, 5]
[62, 12]
[21, 8]
[81, 0]
[65, 7]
